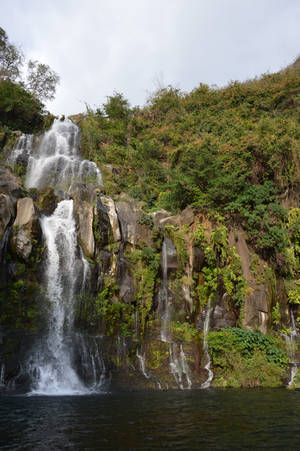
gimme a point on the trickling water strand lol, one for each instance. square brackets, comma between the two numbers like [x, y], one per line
[2, 376]
[3, 253]
[142, 361]
[207, 383]
[91, 362]
[57, 162]
[164, 308]
[179, 367]
[291, 345]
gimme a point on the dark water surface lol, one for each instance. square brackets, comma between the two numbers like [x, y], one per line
[190, 420]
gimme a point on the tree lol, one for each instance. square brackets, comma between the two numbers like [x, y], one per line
[41, 80]
[11, 58]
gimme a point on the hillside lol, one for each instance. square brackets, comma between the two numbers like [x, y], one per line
[178, 265]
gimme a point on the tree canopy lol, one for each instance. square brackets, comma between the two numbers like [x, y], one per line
[40, 80]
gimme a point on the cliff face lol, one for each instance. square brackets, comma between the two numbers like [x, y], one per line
[185, 260]
[156, 279]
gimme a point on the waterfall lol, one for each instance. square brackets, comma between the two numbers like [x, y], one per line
[291, 346]
[57, 162]
[52, 363]
[207, 383]
[164, 306]
[142, 361]
[178, 365]
[2, 376]
[22, 149]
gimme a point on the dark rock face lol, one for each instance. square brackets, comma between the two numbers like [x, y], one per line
[7, 213]
[198, 259]
[10, 185]
[103, 226]
[223, 314]
[131, 224]
[171, 257]
[125, 279]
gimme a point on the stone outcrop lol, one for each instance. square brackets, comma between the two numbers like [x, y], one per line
[258, 300]
[25, 228]
[84, 196]
[133, 224]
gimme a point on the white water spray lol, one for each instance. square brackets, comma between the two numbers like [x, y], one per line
[57, 162]
[210, 376]
[290, 340]
[178, 364]
[52, 362]
[164, 305]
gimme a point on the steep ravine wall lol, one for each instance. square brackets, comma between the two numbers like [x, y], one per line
[137, 261]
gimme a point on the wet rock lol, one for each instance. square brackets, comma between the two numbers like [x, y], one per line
[124, 280]
[223, 316]
[10, 185]
[45, 200]
[7, 213]
[171, 256]
[198, 258]
[102, 225]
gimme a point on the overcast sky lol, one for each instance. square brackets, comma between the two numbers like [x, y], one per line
[98, 46]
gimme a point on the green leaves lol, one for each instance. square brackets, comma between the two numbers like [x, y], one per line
[246, 343]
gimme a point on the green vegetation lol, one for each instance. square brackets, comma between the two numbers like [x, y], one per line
[233, 150]
[21, 106]
[20, 298]
[145, 263]
[248, 359]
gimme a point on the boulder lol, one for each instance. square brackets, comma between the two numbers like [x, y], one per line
[157, 216]
[110, 208]
[133, 228]
[84, 196]
[25, 228]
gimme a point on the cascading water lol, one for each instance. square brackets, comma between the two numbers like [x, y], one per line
[178, 365]
[207, 383]
[2, 376]
[164, 307]
[57, 162]
[52, 362]
[22, 149]
[291, 346]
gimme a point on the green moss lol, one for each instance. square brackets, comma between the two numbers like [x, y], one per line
[157, 355]
[145, 262]
[184, 332]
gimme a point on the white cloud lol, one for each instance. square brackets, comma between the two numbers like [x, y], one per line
[98, 45]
